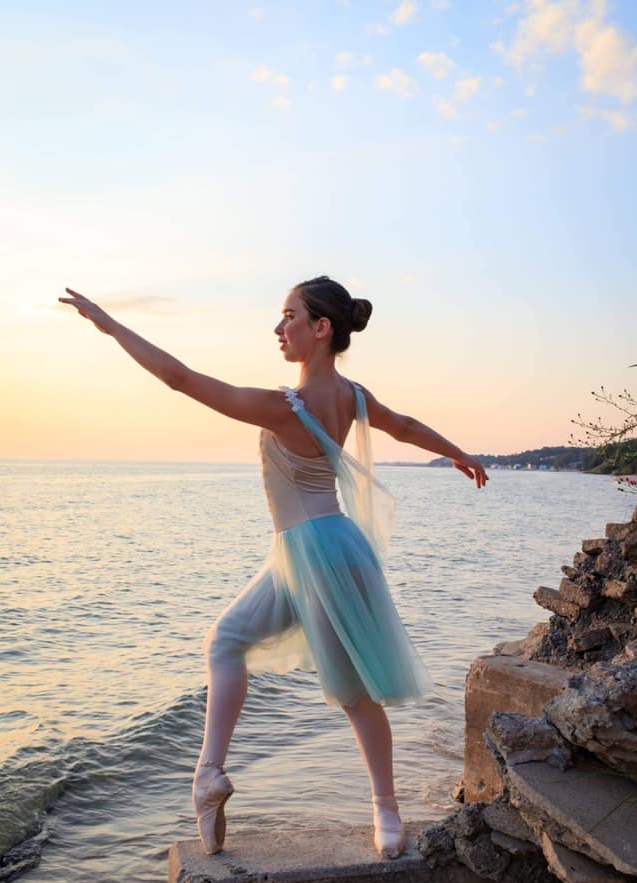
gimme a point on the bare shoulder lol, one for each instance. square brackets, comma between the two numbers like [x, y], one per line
[381, 416]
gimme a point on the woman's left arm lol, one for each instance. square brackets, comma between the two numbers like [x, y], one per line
[411, 431]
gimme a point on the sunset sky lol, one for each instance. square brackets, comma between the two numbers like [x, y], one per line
[467, 165]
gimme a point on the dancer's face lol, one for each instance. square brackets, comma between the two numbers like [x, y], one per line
[296, 330]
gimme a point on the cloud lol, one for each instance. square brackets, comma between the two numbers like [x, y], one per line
[618, 120]
[445, 108]
[281, 101]
[152, 304]
[339, 82]
[608, 59]
[397, 81]
[607, 56]
[437, 63]
[440, 4]
[467, 88]
[257, 13]
[518, 113]
[547, 28]
[351, 60]
[529, 90]
[263, 74]
[404, 13]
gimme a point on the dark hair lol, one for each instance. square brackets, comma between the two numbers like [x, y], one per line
[325, 298]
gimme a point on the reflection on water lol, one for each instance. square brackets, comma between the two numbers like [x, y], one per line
[109, 577]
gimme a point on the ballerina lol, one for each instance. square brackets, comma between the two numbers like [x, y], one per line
[321, 601]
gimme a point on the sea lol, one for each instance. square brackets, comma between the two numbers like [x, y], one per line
[112, 572]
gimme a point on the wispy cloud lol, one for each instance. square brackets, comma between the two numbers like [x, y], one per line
[467, 88]
[607, 56]
[445, 108]
[264, 74]
[352, 60]
[257, 13]
[397, 81]
[339, 82]
[438, 64]
[618, 120]
[440, 5]
[404, 13]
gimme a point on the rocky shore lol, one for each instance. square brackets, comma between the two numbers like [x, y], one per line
[551, 735]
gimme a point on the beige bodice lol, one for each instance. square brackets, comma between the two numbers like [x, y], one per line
[298, 488]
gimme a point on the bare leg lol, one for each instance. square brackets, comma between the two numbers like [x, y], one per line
[373, 734]
[227, 689]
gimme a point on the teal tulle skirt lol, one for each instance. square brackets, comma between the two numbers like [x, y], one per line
[322, 603]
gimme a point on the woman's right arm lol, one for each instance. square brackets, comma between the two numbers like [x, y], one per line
[261, 407]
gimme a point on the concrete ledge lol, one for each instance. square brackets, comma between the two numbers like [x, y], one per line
[299, 855]
[501, 683]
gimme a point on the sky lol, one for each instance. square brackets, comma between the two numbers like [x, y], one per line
[466, 165]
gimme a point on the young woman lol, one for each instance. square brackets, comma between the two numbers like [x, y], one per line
[321, 600]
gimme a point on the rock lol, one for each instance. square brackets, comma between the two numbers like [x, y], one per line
[435, 844]
[483, 857]
[500, 816]
[598, 712]
[589, 639]
[629, 544]
[526, 647]
[519, 739]
[582, 594]
[594, 547]
[553, 601]
[621, 590]
[617, 531]
[582, 561]
[586, 808]
[572, 867]
[631, 649]
[512, 844]
[609, 563]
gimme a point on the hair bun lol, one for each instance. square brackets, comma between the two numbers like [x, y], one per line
[361, 311]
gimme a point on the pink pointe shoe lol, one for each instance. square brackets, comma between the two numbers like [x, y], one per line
[389, 832]
[210, 791]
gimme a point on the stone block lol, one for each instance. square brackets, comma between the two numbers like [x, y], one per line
[590, 639]
[582, 560]
[586, 808]
[321, 854]
[621, 590]
[553, 601]
[500, 816]
[609, 563]
[579, 593]
[617, 531]
[573, 867]
[629, 545]
[501, 683]
[516, 738]
[594, 547]
[512, 844]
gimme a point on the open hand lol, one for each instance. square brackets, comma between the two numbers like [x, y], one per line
[473, 469]
[89, 310]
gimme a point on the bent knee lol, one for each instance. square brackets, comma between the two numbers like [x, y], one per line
[223, 647]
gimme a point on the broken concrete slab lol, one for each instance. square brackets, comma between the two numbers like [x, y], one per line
[587, 808]
[326, 854]
[573, 867]
[501, 683]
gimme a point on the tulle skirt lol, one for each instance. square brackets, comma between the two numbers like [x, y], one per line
[322, 603]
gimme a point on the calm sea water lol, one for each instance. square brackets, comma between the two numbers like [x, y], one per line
[110, 574]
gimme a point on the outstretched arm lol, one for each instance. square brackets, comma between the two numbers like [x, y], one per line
[413, 432]
[258, 406]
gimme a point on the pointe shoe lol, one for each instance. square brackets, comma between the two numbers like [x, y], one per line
[210, 791]
[389, 832]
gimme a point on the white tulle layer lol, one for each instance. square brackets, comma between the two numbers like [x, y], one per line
[322, 603]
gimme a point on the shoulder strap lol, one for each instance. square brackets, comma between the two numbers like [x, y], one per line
[366, 500]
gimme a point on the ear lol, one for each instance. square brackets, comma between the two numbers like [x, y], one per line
[323, 328]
